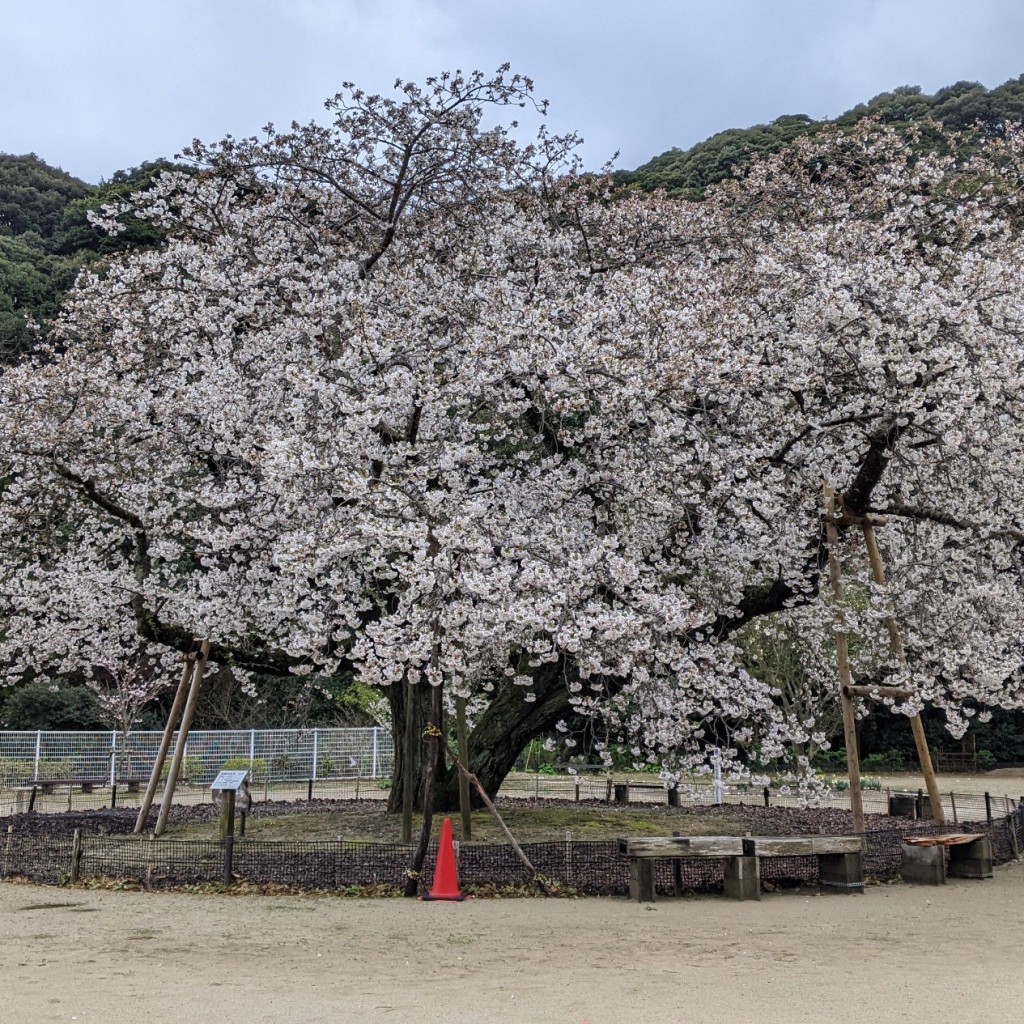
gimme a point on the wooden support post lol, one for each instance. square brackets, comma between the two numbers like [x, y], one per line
[32, 800]
[229, 857]
[1011, 827]
[165, 742]
[227, 813]
[641, 880]
[179, 747]
[677, 873]
[113, 795]
[843, 659]
[409, 760]
[767, 797]
[952, 803]
[988, 808]
[896, 647]
[462, 737]
[76, 855]
[7, 851]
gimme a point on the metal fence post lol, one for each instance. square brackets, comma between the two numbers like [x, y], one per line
[113, 755]
[316, 752]
[39, 740]
[374, 752]
[252, 746]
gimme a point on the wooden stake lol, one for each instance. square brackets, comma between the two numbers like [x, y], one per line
[896, 647]
[165, 742]
[179, 747]
[463, 741]
[843, 658]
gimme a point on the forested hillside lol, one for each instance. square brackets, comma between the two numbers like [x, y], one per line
[46, 238]
[965, 106]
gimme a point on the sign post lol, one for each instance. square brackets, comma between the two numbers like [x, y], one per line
[228, 784]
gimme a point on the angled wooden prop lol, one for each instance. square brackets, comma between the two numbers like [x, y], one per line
[835, 571]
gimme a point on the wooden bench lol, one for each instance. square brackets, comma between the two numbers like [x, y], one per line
[840, 860]
[925, 859]
[623, 790]
[86, 783]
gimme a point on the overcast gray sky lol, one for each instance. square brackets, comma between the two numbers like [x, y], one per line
[98, 85]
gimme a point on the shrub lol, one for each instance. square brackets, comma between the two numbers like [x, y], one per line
[255, 766]
[830, 760]
[866, 782]
[986, 760]
[15, 771]
[891, 760]
[190, 770]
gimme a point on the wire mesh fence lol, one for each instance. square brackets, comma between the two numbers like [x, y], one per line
[45, 849]
[356, 764]
[272, 755]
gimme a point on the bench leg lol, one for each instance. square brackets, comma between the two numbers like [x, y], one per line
[923, 865]
[641, 880]
[841, 872]
[742, 878]
[971, 860]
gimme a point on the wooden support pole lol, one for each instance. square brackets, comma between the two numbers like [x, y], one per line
[165, 742]
[878, 692]
[179, 747]
[843, 658]
[76, 855]
[7, 851]
[896, 646]
[462, 736]
[227, 813]
[408, 762]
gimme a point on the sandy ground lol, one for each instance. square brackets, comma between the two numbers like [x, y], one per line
[895, 954]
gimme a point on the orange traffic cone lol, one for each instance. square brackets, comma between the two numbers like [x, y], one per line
[446, 875]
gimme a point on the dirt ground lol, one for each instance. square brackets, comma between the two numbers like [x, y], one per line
[896, 954]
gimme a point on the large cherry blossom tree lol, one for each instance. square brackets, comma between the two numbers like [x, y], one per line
[403, 397]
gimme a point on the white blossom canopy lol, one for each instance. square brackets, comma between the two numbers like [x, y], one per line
[400, 396]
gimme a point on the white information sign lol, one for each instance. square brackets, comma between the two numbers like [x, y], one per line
[229, 780]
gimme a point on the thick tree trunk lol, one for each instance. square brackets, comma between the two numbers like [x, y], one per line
[499, 736]
[398, 700]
